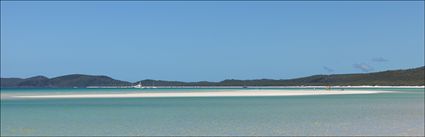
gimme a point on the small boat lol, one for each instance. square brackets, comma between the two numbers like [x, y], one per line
[138, 85]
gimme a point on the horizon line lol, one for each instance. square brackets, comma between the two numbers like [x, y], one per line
[212, 81]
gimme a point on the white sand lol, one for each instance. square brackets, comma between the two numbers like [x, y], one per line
[233, 93]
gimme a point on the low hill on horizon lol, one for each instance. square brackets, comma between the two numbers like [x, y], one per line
[66, 81]
[407, 77]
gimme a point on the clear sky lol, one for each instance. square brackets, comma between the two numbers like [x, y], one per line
[193, 41]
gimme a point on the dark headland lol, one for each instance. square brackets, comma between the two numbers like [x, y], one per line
[406, 77]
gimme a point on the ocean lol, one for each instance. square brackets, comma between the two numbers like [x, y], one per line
[385, 114]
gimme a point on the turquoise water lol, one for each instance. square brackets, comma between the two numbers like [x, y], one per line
[398, 113]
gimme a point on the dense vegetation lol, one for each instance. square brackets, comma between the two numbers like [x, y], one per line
[74, 80]
[409, 77]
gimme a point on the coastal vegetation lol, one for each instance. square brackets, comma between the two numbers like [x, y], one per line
[407, 77]
[67, 81]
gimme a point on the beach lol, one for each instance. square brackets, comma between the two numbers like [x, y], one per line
[218, 93]
[212, 112]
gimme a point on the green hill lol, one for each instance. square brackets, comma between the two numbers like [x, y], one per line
[408, 77]
[74, 80]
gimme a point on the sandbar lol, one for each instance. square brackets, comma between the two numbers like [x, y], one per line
[230, 93]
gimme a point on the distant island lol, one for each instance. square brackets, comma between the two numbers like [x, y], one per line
[407, 77]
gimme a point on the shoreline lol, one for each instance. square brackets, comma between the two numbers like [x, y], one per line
[223, 87]
[237, 93]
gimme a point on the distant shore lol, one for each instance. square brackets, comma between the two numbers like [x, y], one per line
[256, 87]
[218, 87]
[402, 78]
[231, 93]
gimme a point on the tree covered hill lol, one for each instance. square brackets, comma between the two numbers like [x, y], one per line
[74, 80]
[407, 77]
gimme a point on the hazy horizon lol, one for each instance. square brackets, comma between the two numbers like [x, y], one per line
[213, 41]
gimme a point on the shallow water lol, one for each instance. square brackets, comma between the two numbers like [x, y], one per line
[398, 113]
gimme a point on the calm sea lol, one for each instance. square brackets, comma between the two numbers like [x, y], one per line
[398, 113]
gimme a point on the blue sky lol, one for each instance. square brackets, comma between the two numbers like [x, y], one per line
[192, 41]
